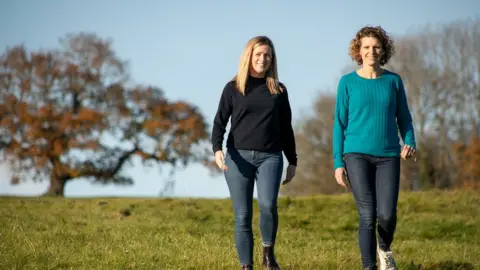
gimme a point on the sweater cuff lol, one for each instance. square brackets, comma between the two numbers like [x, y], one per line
[410, 141]
[216, 148]
[338, 163]
[292, 161]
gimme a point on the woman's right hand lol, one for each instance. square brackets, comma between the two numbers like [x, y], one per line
[341, 176]
[220, 160]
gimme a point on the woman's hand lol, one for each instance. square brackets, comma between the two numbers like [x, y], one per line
[341, 177]
[291, 169]
[220, 160]
[408, 152]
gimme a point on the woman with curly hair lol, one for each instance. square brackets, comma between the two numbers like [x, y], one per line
[371, 107]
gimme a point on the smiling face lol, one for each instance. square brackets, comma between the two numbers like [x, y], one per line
[260, 61]
[371, 51]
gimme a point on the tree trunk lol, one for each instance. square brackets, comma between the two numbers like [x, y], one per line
[57, 186]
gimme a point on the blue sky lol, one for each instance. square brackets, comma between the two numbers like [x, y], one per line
[191, 48]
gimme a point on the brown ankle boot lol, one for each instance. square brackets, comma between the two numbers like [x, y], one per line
[269, 261]
[247, 267]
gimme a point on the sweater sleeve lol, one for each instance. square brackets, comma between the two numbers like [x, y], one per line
[220, 121]
[289, 147]
[340, 124]
[404, 118]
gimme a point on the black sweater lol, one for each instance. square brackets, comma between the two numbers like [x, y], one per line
[260, 120]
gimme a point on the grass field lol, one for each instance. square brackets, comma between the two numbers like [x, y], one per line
[436, 230]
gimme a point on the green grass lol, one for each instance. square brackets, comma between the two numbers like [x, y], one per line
[436, 230]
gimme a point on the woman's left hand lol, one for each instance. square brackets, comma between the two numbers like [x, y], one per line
[408, 152]
[290, 174]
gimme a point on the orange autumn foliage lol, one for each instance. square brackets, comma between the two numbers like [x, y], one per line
[57, 106]
[468, 164]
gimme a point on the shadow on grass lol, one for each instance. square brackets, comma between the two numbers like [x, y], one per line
[445, 265]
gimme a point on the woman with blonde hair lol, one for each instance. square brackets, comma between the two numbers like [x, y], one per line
[261, 129]
[371, 108]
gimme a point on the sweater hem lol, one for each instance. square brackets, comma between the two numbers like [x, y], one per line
[394, 153]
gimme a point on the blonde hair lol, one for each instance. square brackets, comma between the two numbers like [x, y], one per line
[245, 62]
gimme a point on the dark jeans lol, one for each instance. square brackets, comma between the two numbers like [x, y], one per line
[375, 185]
[244, 168]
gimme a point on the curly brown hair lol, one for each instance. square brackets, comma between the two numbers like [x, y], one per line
[375, 32]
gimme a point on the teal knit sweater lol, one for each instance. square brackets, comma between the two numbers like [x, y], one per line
[368, 115]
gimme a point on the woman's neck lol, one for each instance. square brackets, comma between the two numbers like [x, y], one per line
[371, 72]
[257, 77]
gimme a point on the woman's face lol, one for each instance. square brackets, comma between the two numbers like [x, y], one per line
[371, 51]
[261, 60]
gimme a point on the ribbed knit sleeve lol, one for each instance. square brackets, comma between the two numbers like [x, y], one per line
[289, 147]
[404, 118]
[340, 124]
[224, 111]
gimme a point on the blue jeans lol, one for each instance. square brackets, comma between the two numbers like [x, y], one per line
[375, 185]
[244, 168]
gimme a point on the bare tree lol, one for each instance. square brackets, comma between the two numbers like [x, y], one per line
[314, 144]
[440, 67]
[419, 79]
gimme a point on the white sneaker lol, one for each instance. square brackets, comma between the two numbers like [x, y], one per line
[387, 262]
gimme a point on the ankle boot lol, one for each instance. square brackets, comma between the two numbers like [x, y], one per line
[269, 260]
[247, 267]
